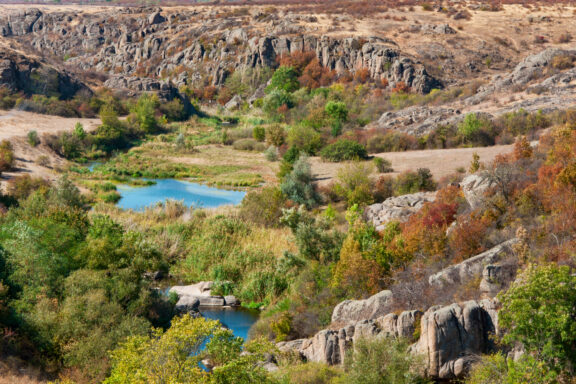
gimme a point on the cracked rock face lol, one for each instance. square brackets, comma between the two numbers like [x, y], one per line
[451, 338]
[125, 42]
[22, 73]
[472, 268]
[454, 337]
[356, 310]
[398, 208]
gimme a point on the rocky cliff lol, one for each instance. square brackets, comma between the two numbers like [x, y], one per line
[449, 338]
[32, 76]
[188, 48]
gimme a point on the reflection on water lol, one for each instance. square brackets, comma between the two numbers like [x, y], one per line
[239, 320]
[193, 194]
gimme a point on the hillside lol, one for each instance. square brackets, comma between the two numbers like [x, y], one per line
[318, 192]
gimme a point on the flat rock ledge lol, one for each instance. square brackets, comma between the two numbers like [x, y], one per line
[191, 297]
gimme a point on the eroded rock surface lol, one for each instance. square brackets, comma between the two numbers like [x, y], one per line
[356, 310]
[200, 295]
[398, 208]
[453, 337]
[472, 268]
[151, 42]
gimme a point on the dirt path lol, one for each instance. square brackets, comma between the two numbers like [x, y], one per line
[441, 162]
[15, 125]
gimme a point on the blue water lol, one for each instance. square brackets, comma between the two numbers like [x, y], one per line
[193, 194]
[92, 164]
[239, 320]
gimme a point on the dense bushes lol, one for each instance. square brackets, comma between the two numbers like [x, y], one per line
[78, 287]
[343, 150]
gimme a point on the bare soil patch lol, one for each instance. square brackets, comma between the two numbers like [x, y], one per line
[15, 125]
[441, 162]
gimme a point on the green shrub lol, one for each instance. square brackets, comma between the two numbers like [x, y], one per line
[7, 157]
[276, 99]
[284, 79]
[271, 153]
[297, 185]
[305, 139]
[383, 165]
[353, 184]
[259, 133]
[263, 207]
[33, 138]
[275, 135]
[173, 110]
[291, 155]
[412, 182]
[249, 145]
[475, 129]
[336, 110]
[343, 150]
[382, 360]
[309, 373]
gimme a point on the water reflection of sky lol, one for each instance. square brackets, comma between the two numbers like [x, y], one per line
[193, 194]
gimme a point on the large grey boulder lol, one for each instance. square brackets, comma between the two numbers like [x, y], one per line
[201, 292]
[472, 268]
[234, 103]
[402, 325]
[356, 310]
[398, 208]
[187, 304]
[496, 277]
[453, 337]
[475, 187]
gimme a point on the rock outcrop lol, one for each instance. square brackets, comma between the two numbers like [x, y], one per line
[151, 42]
[475, 187]
[31, 76]
[550, 85]
[355, 310]
[450, 339]
[454, 337]
[199, 295]
[418, 120]
[474, 268]
[330, 346]
[398, 208]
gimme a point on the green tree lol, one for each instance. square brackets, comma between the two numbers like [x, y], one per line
[79, 131]
[538, 311]
[145, 111]
[353, 184]
[285, 79]
[336, 110]
[297, 185]
[276, 99]
[174, 356]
